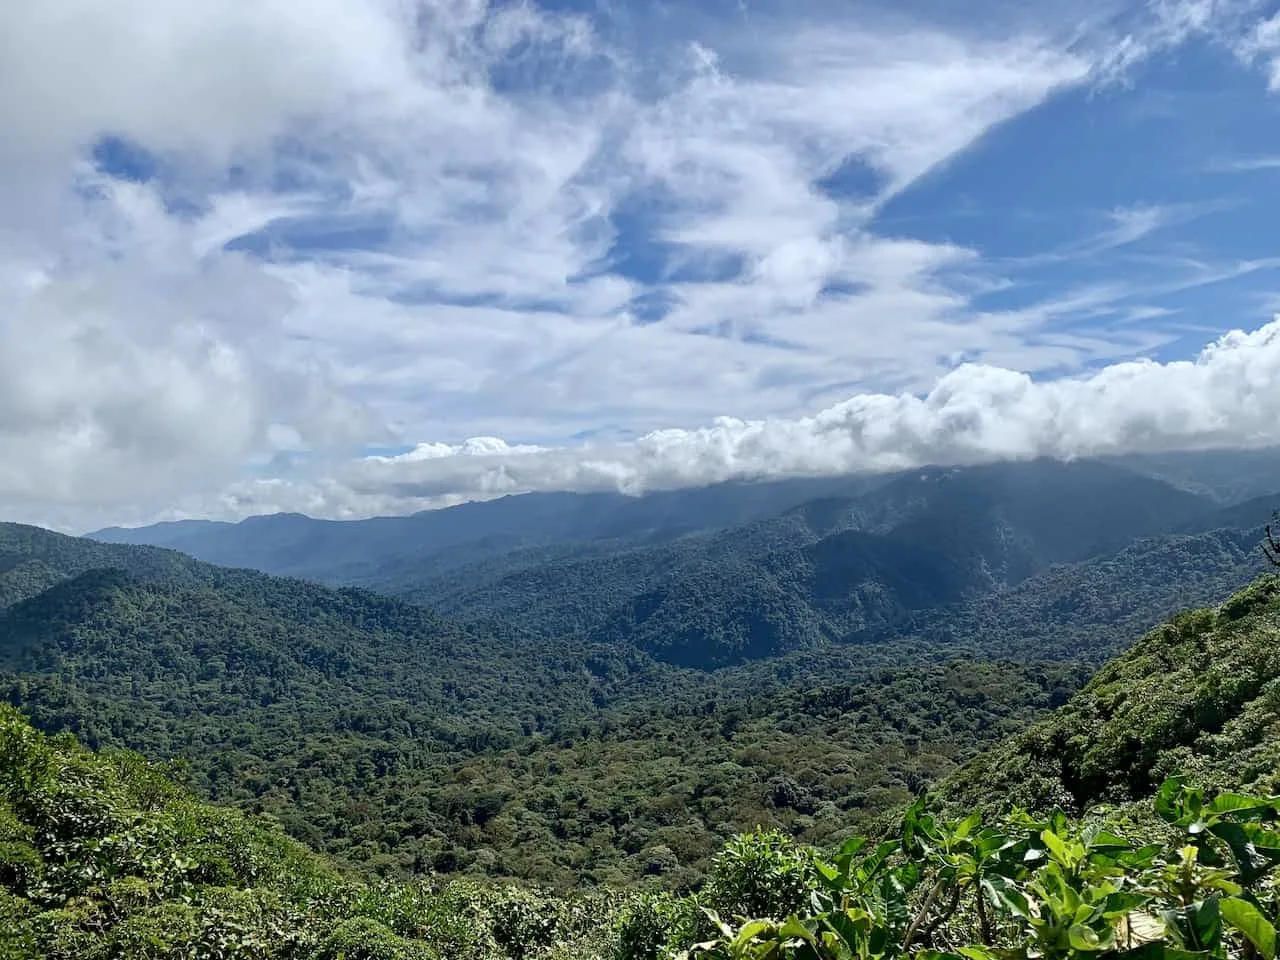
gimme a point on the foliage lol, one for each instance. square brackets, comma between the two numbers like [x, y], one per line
[107, 858]
[1024, 887]
[1199, 694]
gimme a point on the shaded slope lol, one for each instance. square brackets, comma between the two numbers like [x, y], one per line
[919, 544]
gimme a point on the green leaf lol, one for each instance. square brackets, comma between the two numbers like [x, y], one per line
[1248, 919]
[1057, 847]
[967, 826]
[750, 931]
[1087, 939]
[1250, 861]
[1239, 804]
[1205, 918]
[1168, 802]
[851, 846]
[1105, 842]
[827, 871]
[847, 928]
[794, 928]
[1005, 895]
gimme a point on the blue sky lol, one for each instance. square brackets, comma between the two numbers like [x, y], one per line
[364, 256]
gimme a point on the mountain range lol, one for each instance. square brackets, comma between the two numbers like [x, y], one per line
[595, 689]
[718, 576]
[104, 856]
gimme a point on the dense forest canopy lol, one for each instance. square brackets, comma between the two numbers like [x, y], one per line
[103, 856]
[695, 672]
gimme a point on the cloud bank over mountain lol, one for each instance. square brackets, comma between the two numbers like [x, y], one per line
[1225, 398]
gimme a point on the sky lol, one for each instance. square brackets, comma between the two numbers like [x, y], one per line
[357, 257]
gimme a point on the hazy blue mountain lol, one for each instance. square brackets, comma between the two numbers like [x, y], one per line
[1228, 476]
[342, 551]
[726, 574]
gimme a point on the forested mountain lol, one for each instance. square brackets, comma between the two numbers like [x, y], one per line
[676, 574]
[403, 742]
[1199, 696]
[344, 551]
[104, 857]
[32, 560]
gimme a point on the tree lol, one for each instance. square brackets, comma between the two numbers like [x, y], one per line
[1271, 547]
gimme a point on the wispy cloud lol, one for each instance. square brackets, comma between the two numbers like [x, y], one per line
[1224, 397]
[352, 223]
[1245, 165]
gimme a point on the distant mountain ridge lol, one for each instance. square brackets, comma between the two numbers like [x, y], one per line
[720, 575]
[394, 737]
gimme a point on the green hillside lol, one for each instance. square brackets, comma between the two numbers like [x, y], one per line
[714, 577]
[403, 743]
[103, 856]
[1200, 695]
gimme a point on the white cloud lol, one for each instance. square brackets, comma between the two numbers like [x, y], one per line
[1245, 165]
[434, 200]
[1226, 397]
[1263, 44]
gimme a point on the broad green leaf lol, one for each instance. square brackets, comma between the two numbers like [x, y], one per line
[827, 870]
[1168, 800]
[1056, 846]
[1205, 918]
[750, 931]
[1106, 842]
[794, 928]
[851, 846]
[1248, 919]
[1005, 895]
[1250, 861]
[1085, 938]
[1240, 804]
[847, 928]
[967, 825]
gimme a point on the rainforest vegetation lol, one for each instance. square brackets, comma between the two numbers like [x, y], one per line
[208, 762]
[104, 856]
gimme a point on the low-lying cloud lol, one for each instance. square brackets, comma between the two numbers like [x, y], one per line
[1227, 397]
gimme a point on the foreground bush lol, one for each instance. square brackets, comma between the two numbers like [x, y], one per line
[1029, 888]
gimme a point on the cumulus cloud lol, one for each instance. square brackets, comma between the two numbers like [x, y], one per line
[1226, 397]
[241, 244]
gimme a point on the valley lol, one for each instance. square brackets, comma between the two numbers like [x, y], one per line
[607, 712]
